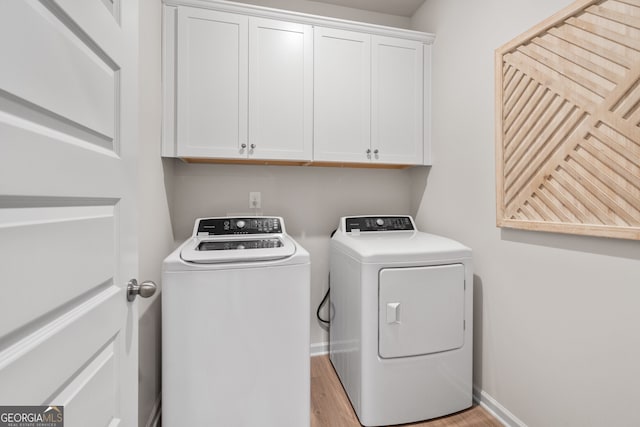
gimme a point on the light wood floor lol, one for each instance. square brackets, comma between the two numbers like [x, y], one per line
[330, 406]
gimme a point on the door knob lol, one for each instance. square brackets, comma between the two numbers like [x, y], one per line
[253, 146]
[144, 289]
[243, 146]
[376, 151]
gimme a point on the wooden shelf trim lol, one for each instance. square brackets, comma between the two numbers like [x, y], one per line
[293, 163]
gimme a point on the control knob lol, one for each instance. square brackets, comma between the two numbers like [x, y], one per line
[240, 224]
[380, 222]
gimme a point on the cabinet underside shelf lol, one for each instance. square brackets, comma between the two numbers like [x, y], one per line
[294, 163]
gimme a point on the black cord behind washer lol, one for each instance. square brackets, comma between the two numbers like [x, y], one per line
[324, 300]
[326, 295]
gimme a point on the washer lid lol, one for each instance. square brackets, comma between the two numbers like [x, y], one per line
[228, 249]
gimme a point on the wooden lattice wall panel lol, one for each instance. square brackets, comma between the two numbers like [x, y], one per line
[568, 123]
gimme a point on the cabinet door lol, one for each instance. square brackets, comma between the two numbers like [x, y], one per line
[342, 95]
[280, 90]
[397, 101]
[212, 83]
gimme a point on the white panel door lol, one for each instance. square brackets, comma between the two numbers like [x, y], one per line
[68, 106]
[421, 310]
[280, 90]
[397, 100]
[342, 96]
[212, 84]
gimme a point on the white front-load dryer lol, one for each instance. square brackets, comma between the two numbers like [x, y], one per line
[235, 327]
[401, 323]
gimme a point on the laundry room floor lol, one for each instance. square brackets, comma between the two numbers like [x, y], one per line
[330, 406]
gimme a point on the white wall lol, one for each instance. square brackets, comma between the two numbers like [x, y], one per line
[155, 234]
[557, 331]
[310, 199]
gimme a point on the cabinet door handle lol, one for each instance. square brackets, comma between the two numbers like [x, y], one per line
[253, 146]
[243, 146]
[376, 151]
[368, 150]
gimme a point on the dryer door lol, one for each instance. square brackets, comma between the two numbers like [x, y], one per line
[421, 310]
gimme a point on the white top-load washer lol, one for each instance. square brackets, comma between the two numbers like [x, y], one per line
[401, 321]
[235, 326]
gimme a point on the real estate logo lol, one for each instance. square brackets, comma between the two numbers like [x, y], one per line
[32, 416]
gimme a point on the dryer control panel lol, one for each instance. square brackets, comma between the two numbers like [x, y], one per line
[378, 223]
[229, 226]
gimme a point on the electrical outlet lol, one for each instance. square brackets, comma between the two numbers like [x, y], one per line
[255, 201]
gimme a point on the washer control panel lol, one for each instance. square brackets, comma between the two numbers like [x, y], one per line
[230, 226]
[378, 223]
[228, 245]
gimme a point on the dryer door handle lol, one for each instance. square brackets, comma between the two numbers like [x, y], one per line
[393, 312]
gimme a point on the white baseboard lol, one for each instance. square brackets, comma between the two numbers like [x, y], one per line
[156, 411]
[494, 407]
[320, 348]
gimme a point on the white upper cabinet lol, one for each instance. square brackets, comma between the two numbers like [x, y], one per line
[368, 105]
[244, 87]
[280, 90]
[397, 113]
[249, 83]
[342, 95]
[212, 65]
